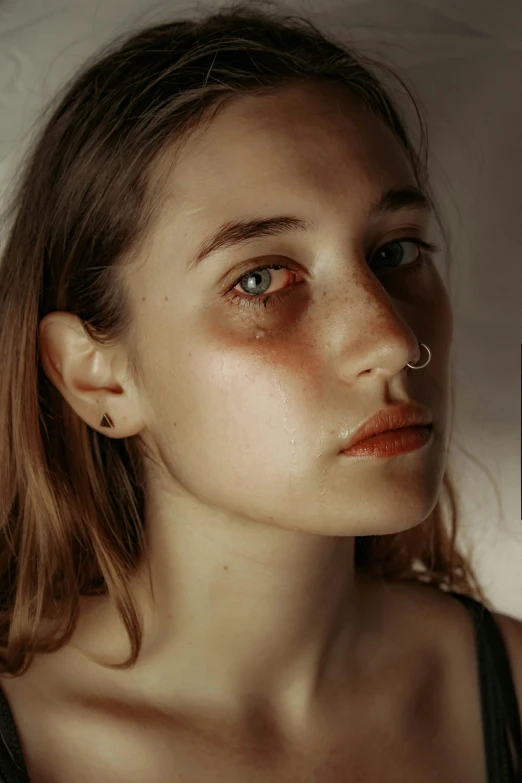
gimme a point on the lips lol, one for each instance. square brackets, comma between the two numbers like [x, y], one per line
[393, 417]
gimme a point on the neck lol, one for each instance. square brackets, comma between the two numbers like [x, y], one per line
[275, 616]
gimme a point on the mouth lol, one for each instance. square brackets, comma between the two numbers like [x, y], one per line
[393, 418]
[391, 443]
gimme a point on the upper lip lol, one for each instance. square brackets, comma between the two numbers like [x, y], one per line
[390, 418]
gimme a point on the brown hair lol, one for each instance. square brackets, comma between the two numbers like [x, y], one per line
[71, 507]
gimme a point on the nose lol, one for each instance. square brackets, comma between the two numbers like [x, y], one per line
[377, 336]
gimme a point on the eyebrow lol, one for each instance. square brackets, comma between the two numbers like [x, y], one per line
[236, 232]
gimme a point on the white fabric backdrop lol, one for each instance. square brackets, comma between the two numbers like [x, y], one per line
[464, 60]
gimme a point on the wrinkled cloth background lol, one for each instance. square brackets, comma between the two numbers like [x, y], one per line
[463, 59]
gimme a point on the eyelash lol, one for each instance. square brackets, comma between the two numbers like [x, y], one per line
[241, 300]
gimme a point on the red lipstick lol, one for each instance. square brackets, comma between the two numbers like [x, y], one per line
[395, 430]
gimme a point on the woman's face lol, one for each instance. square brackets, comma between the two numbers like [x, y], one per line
[251, 383]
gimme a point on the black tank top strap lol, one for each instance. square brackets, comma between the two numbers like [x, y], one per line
[500, 710]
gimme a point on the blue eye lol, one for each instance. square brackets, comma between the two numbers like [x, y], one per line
[256, 299]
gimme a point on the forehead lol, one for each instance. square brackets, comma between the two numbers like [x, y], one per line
[318, 154]
[300, 139]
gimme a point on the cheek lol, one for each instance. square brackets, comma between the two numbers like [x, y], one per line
[238, 392]
[246, 421]
[259, 383]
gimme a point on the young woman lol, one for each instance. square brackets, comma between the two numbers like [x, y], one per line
[219, 276]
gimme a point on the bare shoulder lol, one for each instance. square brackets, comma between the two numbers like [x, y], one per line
[443, 612]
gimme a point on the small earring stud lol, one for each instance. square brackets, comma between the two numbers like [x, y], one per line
[106, 421]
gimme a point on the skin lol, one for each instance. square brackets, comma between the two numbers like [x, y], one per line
[251, 510]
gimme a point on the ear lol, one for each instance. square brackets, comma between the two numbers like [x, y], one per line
[94, 379]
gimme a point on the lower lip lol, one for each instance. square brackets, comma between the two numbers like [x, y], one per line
[392, 443]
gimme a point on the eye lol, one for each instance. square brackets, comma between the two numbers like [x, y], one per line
[400, 253]
[258, 279]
